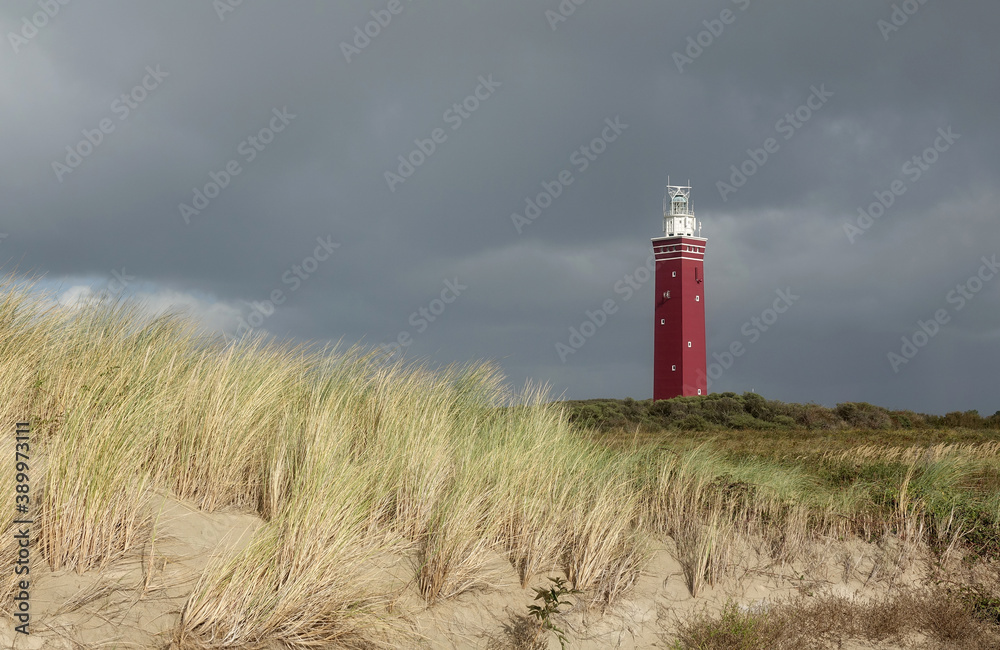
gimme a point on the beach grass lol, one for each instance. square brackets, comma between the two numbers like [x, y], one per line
[350, 458]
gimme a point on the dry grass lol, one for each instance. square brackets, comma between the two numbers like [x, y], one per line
[350, 460]
[347, 458]
[917, 453]
[521, 632]
[910, 619]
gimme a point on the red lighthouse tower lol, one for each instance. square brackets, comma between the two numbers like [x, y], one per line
[679, 351]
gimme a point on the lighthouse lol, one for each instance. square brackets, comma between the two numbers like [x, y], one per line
[679, 351]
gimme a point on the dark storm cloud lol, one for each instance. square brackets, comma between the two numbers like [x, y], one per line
[500, 101]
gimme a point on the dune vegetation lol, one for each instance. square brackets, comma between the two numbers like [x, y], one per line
[351, 460]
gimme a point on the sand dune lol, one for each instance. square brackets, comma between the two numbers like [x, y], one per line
[136, 603]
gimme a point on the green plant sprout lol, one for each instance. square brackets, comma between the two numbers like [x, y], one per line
[552, 601]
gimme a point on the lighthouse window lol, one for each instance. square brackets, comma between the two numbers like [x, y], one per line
[699, 391]
[663, 321]
[674, 274]
[673, 368]
[689, 343]
[697, 298]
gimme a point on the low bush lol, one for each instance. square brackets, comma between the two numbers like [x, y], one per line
[862, 415]
[755, 405]
[814, 416]
[693, 423]
[961, 623]
[967, 420]
[727, 410]
[784, 420]
[746, 421]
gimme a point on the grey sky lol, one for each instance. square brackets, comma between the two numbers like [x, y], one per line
[698, 84]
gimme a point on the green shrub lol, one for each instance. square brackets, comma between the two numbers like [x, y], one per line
[693, 423]
[726, 409]
[968, 419]
[632, 410]
[678, 409]
[984, 605]
[748, 422]
[903, 419]
[733, 628]
[660, 408]
[719, 410]
[587, 415]
[784, 420]
[862, 415]
[755, 405]
[814, 416]
[745, 421]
